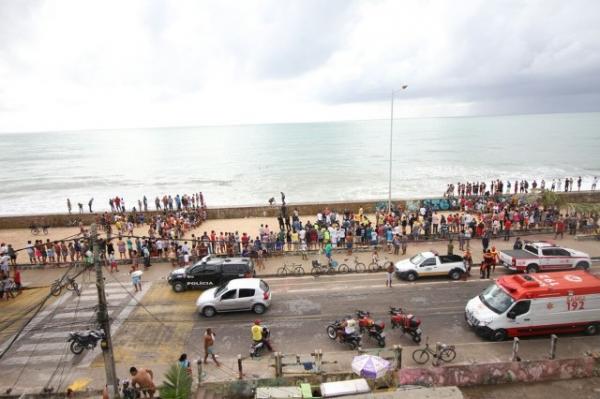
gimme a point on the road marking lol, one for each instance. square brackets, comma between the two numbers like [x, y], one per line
[50, 335]
[76, 314]
[33, 359]
[328, 288]
[34, 322]
[116, 325]
[49, 346]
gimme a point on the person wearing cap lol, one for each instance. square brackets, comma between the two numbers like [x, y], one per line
[257, 335]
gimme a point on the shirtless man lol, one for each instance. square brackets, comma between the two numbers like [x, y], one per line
[142, 379]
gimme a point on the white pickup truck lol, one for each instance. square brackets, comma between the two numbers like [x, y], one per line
[542, 257]
[430, 264]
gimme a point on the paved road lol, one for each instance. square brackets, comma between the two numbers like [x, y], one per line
[42, 354]
[303, 307]
[167, 324]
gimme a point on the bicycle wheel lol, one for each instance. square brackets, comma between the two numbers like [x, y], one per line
[45, 229]
[71, 286]
[299, 271]
[343, 268]
[360, 267]
[372, 267]
[55, 289]
[448, 354]
[34, 231]
[420, 356]
[282, 271]
[315, 271]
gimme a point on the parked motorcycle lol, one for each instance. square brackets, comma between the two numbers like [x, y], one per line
[84, 340]
[353, 340]
[373, 328]
[257, 348]
[407, 322]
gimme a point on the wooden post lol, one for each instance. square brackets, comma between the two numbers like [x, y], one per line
[515, 350]
[553, 339]
[278, 365]
[241, 374]
[438, 350]
[397, 357]
[199, 364]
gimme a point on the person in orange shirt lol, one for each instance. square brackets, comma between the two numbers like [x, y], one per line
[495, 258]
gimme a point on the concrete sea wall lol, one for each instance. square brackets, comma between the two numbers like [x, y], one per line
[232, 212]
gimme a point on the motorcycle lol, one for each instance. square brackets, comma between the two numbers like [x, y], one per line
[354, 340]
[408, 323]
[84, 340]
[373, 328]
[257, 348]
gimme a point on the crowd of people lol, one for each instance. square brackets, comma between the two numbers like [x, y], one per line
[167, 203]
[519, 186]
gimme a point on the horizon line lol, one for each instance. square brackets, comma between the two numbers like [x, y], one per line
[73, 130]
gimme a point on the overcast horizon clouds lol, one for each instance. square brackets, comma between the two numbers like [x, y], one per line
[77, 64]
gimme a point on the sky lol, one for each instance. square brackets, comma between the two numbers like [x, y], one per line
[115, 64]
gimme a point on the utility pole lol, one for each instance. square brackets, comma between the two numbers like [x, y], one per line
[103, 321]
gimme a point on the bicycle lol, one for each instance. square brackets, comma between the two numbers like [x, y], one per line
[293, 268]
[358, 266]
[70, 285]
[422, 356]
[318, 268]
[380, 265]
[35, 229]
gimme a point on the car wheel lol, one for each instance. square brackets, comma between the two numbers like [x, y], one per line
[455, 274]
[499, 335]
[259, 308]
[583, 265]
[591, 329]
[533, 268]
[209, 311]
[178, 287]
[411, 276]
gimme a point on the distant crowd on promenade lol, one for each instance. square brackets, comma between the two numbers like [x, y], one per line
[171, 234]
[166, 203]
[523, 186]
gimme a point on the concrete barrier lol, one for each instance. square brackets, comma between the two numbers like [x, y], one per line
[500, 373]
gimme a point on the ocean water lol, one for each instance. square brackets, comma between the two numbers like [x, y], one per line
[242, 165]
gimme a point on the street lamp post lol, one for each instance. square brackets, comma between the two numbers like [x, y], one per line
[394, 92]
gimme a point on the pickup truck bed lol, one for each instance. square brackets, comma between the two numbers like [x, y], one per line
[519, 254]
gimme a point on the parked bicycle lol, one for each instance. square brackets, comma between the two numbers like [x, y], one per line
[319, 268]
[293, 268]
[358, 266]
[70, 284]
[422, 356]
[36, 230]
[381, 265]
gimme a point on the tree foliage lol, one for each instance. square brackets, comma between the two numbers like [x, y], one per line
[177, 384]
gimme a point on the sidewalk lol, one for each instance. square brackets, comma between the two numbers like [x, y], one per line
[473, 353]
[42, 277]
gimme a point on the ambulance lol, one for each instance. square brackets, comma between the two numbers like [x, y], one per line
[536, 304]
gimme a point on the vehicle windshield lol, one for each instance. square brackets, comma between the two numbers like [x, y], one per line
[417, 259]
[496, 299]
[220, 290]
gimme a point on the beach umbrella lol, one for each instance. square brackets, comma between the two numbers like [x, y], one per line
[369, 366]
